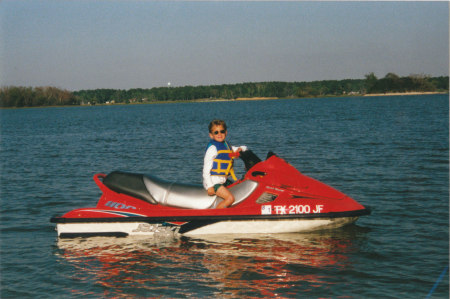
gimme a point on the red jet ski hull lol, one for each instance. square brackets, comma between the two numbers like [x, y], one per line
[273, 197]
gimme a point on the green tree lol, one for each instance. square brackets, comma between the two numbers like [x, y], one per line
[371, 80]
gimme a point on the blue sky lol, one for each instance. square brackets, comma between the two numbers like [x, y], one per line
[142, 44]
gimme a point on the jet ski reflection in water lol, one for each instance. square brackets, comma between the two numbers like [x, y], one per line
[272, 197]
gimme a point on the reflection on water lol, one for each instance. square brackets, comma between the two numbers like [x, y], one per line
[229, 265]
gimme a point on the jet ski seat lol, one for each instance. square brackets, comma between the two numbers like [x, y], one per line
[157, 191]
[192, 196]
[131, 184]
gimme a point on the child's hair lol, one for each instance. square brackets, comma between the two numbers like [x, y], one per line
[217, 122]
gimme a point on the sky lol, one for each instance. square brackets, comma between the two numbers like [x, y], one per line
[84, 44]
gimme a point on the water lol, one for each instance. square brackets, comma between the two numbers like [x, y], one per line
[389, 153]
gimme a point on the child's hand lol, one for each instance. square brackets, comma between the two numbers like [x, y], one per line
[235, 154]
[211, 191]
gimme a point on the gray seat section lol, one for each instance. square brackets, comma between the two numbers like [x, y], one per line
[192, 196]
[157, 191]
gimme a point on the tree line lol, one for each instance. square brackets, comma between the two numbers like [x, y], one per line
[36, 97]
[51, 96]
[393, 83]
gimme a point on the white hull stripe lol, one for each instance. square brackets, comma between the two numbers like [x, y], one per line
[116, 213]
[219, 227]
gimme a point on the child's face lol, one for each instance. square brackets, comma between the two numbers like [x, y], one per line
[218, 133]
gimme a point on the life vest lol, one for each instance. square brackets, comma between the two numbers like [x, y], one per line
[223, 163]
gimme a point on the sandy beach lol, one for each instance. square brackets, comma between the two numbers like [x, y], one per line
[256, 98]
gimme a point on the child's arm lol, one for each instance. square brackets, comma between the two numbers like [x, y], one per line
[239, 148]
[210, 154]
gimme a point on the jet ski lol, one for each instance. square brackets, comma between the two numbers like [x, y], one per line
[271, 197]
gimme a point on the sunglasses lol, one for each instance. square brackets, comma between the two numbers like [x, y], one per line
[217, 132]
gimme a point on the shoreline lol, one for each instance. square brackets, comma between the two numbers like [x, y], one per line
[256, 99]
[411, 93]
[243, 99]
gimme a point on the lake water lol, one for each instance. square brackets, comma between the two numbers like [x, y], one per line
[389, 153]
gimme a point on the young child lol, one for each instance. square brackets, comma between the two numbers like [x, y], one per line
[218, 165]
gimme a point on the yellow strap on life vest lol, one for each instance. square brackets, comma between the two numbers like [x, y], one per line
[232, 174]
[229, 169]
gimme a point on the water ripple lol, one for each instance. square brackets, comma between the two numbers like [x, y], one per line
[389, 153]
